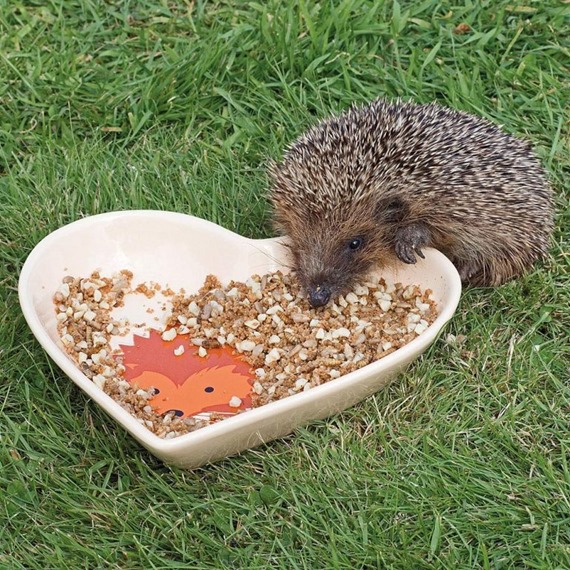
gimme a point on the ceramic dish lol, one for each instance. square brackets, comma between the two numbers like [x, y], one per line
[180, 250]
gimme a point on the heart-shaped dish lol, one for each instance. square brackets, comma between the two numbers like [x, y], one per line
[180, 250]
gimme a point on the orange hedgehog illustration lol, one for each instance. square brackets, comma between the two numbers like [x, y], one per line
[187, 384]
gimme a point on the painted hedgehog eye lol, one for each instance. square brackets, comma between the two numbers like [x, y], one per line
[355, 243]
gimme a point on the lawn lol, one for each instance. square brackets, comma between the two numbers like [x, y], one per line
[462, 463]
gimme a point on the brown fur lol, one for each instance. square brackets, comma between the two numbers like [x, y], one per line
[480, 193]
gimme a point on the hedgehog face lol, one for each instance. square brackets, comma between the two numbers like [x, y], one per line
[329, 262]
[333, 249]
[326, 272]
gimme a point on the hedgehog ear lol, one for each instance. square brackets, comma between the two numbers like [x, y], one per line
[391, 210]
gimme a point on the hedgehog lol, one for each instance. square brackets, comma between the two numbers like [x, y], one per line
[373, 186]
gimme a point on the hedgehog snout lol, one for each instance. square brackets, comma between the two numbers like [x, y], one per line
[319, 296]
[319, 284]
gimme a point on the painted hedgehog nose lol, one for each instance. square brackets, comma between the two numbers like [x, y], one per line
[319, 296]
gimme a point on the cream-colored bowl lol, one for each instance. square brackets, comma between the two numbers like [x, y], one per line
[180, 250]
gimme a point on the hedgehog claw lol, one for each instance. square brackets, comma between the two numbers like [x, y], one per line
[405, 253]
[409, 241]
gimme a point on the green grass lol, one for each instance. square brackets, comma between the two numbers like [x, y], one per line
[461, 463]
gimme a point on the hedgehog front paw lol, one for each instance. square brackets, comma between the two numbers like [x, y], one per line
[409, 241]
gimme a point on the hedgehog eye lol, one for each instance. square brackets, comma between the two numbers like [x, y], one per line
[355, 243]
